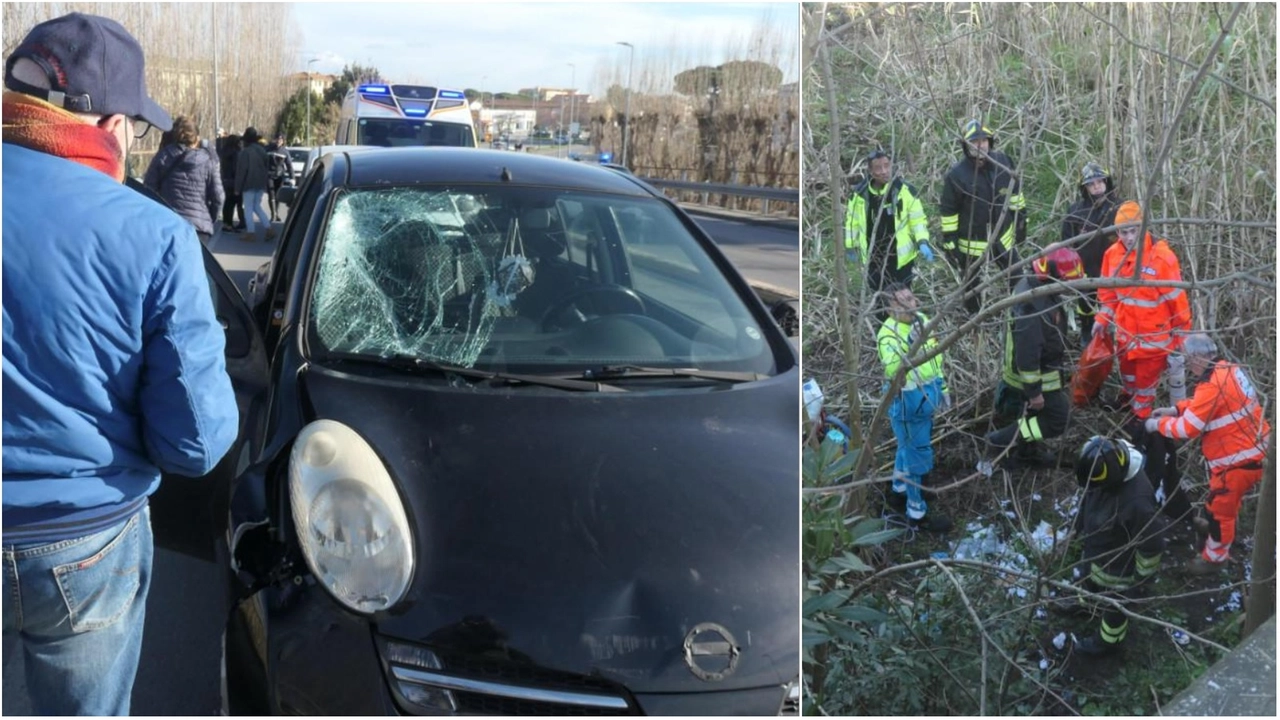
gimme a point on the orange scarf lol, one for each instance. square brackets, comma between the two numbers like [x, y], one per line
[35, 124]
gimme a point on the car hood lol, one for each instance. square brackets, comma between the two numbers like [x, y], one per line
[593, 533]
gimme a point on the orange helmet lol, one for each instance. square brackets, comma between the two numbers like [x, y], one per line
[1062, 264]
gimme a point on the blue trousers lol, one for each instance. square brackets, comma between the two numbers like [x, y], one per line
[911, 415]
[78, 606]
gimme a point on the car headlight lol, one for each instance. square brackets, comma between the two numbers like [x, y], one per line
[351, 523]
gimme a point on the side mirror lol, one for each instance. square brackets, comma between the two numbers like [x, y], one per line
[286, 194]
[786, 313]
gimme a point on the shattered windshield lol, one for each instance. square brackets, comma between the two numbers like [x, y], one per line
[527, 279]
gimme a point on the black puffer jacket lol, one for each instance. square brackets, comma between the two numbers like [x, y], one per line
[1087, 216]
[189, 180]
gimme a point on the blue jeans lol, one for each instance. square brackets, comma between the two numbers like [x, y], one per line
[911, 415]
[78, 606]
[253, 208]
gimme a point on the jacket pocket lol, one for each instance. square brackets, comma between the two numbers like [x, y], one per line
[99, 589]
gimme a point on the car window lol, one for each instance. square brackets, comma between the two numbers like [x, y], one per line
[527, 279]
[395, 132]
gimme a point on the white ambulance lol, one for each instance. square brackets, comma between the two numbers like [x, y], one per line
[405, 115]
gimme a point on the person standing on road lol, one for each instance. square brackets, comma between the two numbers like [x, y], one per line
[885, 226]
[233, 204]
[252, 181]
[186, 176]
[113, 362]
[281, 169]
[1145, 320]
[983, 211]
[923, 393]
[1226, 411]
[1095, 210]
[1030, 400]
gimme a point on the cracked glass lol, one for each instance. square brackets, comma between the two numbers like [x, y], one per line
[523, 278]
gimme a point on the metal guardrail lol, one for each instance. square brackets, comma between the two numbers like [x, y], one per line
[764, 194]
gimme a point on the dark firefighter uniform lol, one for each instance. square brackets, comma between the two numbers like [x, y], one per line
[982, 211]
[1035, 349]
[1122, 532]
[1086, 217]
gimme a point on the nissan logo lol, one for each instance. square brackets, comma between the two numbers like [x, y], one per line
[711, 652]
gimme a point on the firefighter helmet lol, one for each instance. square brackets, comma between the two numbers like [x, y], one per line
[1093, 171]
[1103, 463]
[1060, 264]
[975, 130]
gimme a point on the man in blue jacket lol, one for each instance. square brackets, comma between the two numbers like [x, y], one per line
[113, 362]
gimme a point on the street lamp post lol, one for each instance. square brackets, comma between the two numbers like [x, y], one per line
[573, 81]
[626, 126]
[484, 127]
[313, 60]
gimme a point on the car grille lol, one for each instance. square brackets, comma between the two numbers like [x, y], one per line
[469, 685]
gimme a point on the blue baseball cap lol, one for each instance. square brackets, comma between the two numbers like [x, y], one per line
[94, 66]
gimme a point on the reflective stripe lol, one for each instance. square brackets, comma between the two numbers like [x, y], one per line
[1180, 427]
[1006, 238]
[972, 247]
[1214, 551]
[1017, 202]
[1113, 635]
[1245, 412]
[1029, 376]
[1106, 579]
[1146, 566]
[1136, 302]
[950, 223]
[1253, 453]
[1029, 428]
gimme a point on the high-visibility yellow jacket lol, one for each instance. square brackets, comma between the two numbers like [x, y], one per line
[910, 226]
[895, 339]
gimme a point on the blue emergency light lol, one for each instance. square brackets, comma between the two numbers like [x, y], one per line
[415, 111]
[451, 94]
[375, 89]
[606, 157]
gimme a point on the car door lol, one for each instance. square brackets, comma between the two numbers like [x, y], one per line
[189, 514]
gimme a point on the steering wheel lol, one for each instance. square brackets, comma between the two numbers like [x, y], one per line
[618, 297]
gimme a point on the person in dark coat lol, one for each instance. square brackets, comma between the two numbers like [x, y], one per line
[230, 150]
[187, 177]
[280, 169]
[252, 181]
[1122, 534]
[1095, 210]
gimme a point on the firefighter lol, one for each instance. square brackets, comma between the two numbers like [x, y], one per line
[1121, 530]
[983, 211]
[1146, 320]
[1225, 409]
[1031, 395]
[1093, 211]
[923, 392]
[889, 211]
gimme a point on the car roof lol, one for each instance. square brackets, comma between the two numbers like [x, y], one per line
[408, 165]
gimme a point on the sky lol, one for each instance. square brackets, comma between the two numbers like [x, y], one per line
[504, 47]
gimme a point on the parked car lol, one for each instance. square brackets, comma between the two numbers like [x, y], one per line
[526, 443]
[298, 158]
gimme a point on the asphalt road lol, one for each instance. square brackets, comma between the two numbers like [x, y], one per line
[181, 646]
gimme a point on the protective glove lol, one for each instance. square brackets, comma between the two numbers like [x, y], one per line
[926, 252]
[945, 403]
[1164, 412]
[1098, 328]
[851, 255]
[1151, 425]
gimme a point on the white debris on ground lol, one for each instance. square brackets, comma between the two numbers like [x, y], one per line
[1068, 506]
[1233, 603]
[1044, 537]
[1040, 614]
[983, 543]
[1044, 664]
[1060, 640]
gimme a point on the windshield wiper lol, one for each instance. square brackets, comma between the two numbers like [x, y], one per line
[640, 371]
[411, 362]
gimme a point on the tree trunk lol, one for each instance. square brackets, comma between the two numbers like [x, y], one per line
[857, 496]
[1262, 591]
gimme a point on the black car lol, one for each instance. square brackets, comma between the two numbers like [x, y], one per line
[516, 439]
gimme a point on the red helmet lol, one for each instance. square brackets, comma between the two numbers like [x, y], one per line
[1062, 264]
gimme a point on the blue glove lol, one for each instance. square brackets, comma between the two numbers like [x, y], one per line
[926, 251]
[851, 255]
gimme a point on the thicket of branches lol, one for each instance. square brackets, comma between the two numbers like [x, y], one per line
[256, 49]
[1178, 100]
[735, 122]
